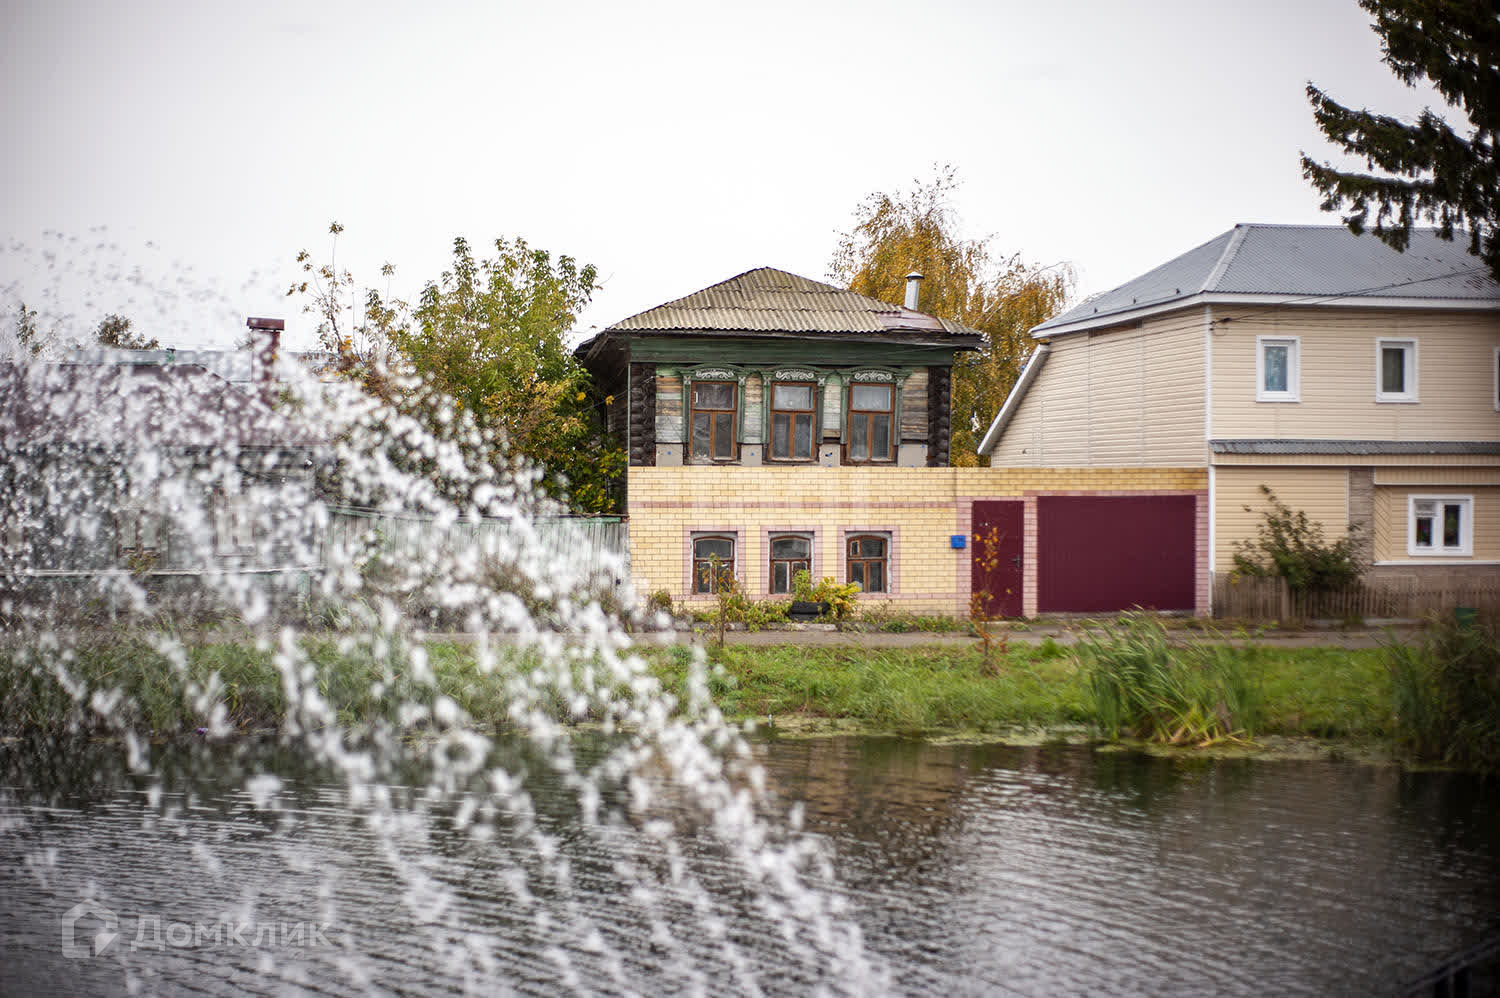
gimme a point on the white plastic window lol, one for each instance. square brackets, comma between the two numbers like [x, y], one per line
[1395, 370]
[1440, 525]
[1278, 369]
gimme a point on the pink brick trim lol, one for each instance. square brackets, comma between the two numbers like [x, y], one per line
[1029, 554]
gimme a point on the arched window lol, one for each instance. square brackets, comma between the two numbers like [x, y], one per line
[706, 549]
[790, 554]
[869, 562]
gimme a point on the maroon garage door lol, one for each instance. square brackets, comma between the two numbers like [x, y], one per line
[1101, 553]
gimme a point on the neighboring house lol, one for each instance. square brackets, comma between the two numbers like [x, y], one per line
[780, 424]
[150, 463]
[1361, 384]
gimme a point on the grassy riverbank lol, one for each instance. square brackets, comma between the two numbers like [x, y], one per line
[1327, 693]
[1320, 692]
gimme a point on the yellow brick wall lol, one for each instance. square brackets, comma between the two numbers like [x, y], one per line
[921, 507]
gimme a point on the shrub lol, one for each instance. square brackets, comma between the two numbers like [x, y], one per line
[1199, 695]
[1291, 546]
[840, 596]
[1446, 696]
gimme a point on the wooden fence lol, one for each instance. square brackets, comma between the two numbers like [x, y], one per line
[1247, 598]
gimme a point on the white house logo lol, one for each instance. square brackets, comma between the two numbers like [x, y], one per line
[76, 943]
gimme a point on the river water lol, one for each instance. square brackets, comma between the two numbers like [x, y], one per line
[968, 869]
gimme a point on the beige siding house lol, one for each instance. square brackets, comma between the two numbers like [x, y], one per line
[1362, 385]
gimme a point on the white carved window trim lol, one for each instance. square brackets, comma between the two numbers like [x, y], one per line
[793, 377]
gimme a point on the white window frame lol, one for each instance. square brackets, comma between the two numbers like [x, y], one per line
[1293, 391]
[1497, 379]
[1465, 546]
[1409, 345]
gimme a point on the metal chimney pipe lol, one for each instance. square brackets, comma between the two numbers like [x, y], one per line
[913, 289]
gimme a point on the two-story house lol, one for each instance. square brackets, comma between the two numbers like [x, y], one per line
[779, 424]
[1362, 385]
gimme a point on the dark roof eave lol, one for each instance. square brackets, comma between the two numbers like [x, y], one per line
[1354, 447]
[1135, 313]
[956, 341]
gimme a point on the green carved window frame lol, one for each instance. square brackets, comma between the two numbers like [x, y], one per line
[721, 374]
[769, 379]
[896, 379]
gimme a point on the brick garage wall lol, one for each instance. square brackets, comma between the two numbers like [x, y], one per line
[921, 507]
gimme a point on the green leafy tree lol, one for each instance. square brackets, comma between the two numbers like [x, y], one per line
[488, 335]
[115, 331]
[1423, 169]
[1001, 297]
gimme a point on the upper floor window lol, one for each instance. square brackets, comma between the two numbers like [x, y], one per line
[869, 562]
[792, 410]
[790, 554]
[871, 407]
[1277, 369]
[1395, 370]
[713, 419]
[713, 561]
[1440, 525]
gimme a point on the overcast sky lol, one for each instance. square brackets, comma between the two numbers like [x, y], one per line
[168, 160]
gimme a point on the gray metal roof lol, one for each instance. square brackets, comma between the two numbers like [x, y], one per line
[1342, 447]
[1315, 262]
[769, 300]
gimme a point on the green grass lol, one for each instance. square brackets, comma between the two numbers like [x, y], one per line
[908, 688]
[175, 693]
[1322, 692]
[1318, 692]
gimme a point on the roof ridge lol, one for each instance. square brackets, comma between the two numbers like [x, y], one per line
[1231, 249]
[730, 280]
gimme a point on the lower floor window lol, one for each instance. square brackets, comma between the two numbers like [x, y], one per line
[1441, 525]
[869, 561]
[790, 554]
[713, 562]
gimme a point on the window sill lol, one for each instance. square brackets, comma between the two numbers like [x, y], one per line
[1433, 559]
[1397, 400]
[1278, 398]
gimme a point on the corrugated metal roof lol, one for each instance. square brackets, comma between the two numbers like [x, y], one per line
[770, 300]
[1314, 261]
[133, 405]
[1355, 446]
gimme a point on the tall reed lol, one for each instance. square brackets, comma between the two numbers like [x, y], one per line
[1446, 696]
[1141, 685]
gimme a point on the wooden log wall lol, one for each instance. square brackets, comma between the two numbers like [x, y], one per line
[642, 415]
[939, 415]
[914, 407]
